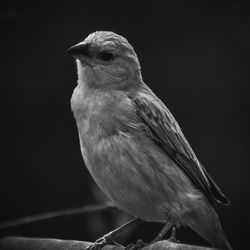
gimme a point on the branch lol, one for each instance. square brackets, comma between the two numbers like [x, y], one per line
[55, 214]
[22, 243]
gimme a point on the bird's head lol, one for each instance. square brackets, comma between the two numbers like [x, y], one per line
[106, 60]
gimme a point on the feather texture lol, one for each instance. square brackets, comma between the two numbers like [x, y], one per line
[165, 131]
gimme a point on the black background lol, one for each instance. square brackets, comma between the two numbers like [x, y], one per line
[194, 56]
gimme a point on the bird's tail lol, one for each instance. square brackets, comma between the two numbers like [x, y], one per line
[205, 222]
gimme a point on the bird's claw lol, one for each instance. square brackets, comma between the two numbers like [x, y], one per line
[99, 243]
[139, 244]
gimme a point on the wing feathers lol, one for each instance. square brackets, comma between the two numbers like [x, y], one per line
[165, 131]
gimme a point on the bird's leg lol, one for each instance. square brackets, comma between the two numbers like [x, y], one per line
[108, 238]
[173, 235]
[162, 233]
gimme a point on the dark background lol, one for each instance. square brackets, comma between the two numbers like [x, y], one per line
[196, 59]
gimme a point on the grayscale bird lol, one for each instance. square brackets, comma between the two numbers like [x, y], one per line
[132, 145]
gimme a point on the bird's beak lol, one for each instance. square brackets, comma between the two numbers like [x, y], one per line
[80, 49]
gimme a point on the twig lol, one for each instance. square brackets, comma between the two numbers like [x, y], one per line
[55, 214]
[21, 243]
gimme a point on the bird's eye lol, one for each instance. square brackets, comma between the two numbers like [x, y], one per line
[106, 56]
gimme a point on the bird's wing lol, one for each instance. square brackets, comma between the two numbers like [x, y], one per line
[165, 131]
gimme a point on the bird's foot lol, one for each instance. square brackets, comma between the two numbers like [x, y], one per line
[99, 243]
[139, 244]
[172, 237]
[107, 239]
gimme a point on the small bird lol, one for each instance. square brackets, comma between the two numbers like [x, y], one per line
[132, 145]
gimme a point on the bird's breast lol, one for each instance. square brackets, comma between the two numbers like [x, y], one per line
[87, 107]
[125, 163]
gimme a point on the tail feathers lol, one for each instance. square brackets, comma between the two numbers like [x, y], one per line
[216, 192]
[207, 225]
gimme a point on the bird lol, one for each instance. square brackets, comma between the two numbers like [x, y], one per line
[132, 145]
